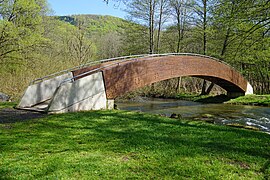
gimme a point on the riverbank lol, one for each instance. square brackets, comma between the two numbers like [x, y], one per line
[187, 97]
[256, 100]
[121, 145]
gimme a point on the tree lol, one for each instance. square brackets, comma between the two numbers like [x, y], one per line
[110, 45]
[181, 13]
[201, 8]
[143, 12]
[81, 49]
[162, 17]
[20, 26]
[134, 39]
[243, 27]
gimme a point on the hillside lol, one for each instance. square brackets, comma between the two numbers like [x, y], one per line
[98, 23]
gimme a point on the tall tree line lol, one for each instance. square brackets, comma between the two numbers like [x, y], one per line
[33, 43]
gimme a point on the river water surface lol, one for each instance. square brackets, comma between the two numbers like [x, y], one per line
[255, 116]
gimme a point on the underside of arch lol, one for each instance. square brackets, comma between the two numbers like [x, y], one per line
[226, 85]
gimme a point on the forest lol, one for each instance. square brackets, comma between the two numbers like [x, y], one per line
[34, 42]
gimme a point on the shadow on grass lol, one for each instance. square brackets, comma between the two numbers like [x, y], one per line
[121, 132]
[9, 115]
[135, 130]
[214, 99]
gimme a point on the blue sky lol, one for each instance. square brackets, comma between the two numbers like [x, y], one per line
[69, 7]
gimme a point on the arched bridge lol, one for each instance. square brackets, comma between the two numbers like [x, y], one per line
[96, 85]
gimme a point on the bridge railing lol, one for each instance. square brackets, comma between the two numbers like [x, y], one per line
[83, 65]
[123, 58]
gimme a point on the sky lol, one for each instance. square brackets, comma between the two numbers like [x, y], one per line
[71, 7]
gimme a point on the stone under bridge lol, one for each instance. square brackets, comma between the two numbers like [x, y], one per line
[95, 85]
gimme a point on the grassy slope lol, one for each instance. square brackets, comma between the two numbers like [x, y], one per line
[262, 100]
[99, 24]
[119, 145]
[7, 105]
[259, 100]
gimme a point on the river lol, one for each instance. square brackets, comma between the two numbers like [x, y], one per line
[254, 116]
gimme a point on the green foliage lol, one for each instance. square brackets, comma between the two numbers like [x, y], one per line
[20, 27]
[97, 24]
[55, 45]
[21, 34]
[113, 35]
[7, 105]
[135, 40]
[241, 37]
[128, 145]
[237, 32]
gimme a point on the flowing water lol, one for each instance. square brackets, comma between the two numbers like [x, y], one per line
[255, 116]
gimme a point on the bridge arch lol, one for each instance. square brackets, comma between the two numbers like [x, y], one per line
[124, 76]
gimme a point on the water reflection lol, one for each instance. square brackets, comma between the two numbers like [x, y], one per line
[255, 116]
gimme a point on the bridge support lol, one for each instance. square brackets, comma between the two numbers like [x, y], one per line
[84, 94]
[110, 104]
[42, 91]
[249, 89]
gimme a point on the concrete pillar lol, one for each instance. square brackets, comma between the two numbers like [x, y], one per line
[110, 104]
[249, 89]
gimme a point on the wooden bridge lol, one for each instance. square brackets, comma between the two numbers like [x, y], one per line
[95, 85]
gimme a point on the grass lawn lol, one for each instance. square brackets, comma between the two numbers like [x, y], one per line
[262, 100]
[129, 145]
[7, 105]
[258, 100]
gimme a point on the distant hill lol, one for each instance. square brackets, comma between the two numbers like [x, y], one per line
[98, 23]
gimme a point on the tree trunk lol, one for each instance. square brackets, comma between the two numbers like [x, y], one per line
[203, 92]
[179, 32]
[179, 82]
[151, 32]
[225, 43]
[209, 88]
[159, 24]
[151, 26]
[204, 25]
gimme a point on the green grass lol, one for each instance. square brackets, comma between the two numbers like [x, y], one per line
[7, 104]
[261, 100]
[189, 97]
[129, 145]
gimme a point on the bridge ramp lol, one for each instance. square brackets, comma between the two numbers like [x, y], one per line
[50, 96]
